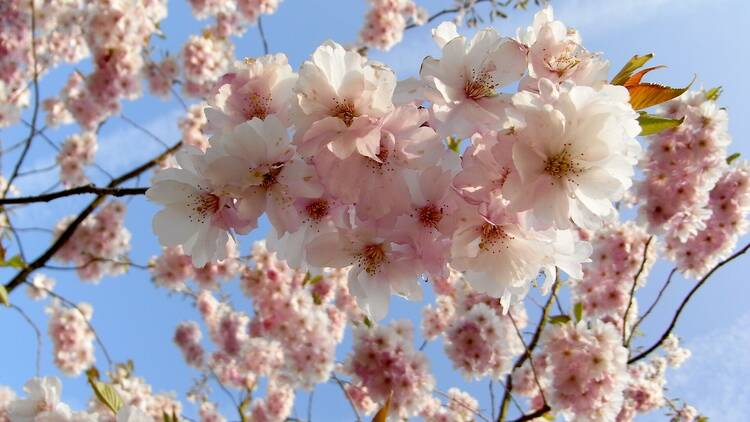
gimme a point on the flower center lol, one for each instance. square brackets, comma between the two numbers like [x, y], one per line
[204, 205]
[317, 209]
[270, 178]
[561, 165]
[480, 86]
[430, 216]
[257, 106]
[561, 63]
[345, 111]
[372, 257]
[492, 236]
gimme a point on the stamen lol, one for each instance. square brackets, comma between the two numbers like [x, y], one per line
[493, 236]
[345, 111]
[371, 258]
[317, 209]
[430, 216]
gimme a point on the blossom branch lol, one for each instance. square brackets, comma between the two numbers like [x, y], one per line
[685, 302]
[68, 232]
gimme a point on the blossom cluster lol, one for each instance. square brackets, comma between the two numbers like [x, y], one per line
[99, 245]
[72, 337]
[386, 21]
[366, 180]
[77, 151]
[581, 368]
[291, 338]
[621, 260]
[43, 402]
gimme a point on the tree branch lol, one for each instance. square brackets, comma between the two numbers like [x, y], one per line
[68, 232]
[110, 191]
[685, 302]
[532, 345]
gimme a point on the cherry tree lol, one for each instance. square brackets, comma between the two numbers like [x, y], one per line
[510, 166]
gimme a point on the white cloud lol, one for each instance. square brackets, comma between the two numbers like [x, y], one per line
[592, 16]
[714, 379]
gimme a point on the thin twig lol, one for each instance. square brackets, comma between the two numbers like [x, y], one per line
[625, 339]
[35, 112]
[262, 35]
[144, 130]
[462, 404]
[348, 398]
[38, 334]
[653, 305]
[684, 303]
[83, 315]
[445, 12]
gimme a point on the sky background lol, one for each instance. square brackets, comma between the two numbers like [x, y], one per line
[136, 320]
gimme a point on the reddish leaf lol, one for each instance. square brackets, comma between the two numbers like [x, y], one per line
[636, 78]
[648, 94]
[382, 414]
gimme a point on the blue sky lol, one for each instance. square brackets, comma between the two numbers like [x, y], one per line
[136, 320]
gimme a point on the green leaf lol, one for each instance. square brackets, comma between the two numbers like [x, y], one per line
[107, 395]
[713, 93]
[733, 157]
[651, 124]
[578, 311]
[4, 296]
[317, 299]
[631, 66]
[15, 262]
[559, 319]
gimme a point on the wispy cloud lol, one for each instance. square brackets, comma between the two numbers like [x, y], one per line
[714, 378]
[126, 145]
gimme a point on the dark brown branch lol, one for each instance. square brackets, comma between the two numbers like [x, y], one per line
[507, 395]
[626, 340]
[684, 303]
[68, 232]
[111, 191]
